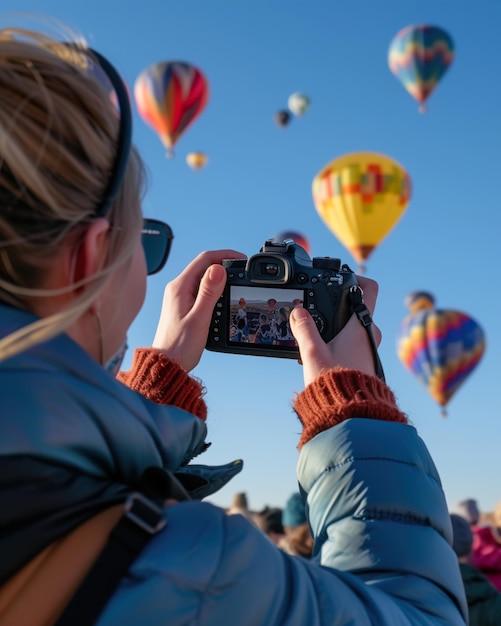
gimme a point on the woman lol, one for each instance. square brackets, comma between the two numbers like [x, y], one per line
[74, 440]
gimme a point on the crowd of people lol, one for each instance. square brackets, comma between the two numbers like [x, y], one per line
[286, 527]
[102, 512]
[477, 544]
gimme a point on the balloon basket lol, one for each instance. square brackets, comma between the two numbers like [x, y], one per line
[422, 108]
[169, 153]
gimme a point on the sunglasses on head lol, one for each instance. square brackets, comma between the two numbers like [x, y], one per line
[156, 236]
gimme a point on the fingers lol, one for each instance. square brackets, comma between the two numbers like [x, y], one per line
[350, 348]
[370, 289]
[190, 277]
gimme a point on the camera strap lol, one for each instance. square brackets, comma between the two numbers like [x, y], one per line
[360, 309]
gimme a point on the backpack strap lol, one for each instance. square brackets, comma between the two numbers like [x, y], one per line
[40, 590]
[142, 519]
[72, 579]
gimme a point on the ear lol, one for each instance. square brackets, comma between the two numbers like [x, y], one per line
[90, 251]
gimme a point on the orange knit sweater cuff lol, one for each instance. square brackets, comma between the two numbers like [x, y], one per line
[340, 394]
[163, 381]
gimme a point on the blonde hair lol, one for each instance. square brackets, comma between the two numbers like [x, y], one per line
[58, 138]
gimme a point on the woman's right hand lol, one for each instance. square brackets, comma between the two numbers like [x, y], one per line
[350, 348]
[188, 303]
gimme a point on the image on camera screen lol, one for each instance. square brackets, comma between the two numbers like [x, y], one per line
[260, 315]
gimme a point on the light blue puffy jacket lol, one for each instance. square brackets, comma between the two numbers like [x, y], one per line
[374, 500]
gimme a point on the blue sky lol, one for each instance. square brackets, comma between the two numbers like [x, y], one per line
[258, 182]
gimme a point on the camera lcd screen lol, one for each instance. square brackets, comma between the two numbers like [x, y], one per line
[260, 315]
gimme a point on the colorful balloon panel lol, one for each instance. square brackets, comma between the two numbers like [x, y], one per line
[169, 97]
[360, 197]
[441, 348]
[297, 237]
[419, 56]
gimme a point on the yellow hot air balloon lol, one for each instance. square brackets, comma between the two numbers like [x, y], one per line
[196, 160]
[360, 197]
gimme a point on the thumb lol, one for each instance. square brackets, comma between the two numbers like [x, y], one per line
[210, 289]
[305, 332]
[312, 348]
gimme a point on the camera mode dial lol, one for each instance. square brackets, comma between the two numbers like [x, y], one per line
[319, 321]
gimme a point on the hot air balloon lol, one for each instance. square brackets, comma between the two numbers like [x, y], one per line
[298, 103]
[169, 96]
[419, 56]
[297, 237]
[196, 160]
[360, 197]
[440, 347]
[282, 118]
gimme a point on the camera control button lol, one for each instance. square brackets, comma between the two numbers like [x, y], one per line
[302, 278]
[314, 279]
[319, 321]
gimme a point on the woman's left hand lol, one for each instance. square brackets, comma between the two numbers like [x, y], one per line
[187, 307]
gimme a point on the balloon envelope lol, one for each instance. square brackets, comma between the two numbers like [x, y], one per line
[196, 160]
[419, 56]
[169, 96]
[441, 348]
[282, 118]
[298, 103]
[297, 237]
[360, 197]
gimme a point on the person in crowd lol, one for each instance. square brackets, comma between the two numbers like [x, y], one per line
[297, 538]
[75, 441]
[468, 509]
[283, 333]
[269, 520]
[487, 548]
[264, 332]
[240, 506]
[484, 600]
[241, 322]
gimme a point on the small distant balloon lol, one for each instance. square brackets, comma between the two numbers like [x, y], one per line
[419, 56]
[360, 197]
[298, 103]
[297, 237]
[440, 347]
[197, 160]
[282, 118]
[169, 96]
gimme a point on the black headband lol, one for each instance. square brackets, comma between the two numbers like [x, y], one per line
[124, 135]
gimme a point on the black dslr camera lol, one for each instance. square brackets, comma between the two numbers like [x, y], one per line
[252, 315]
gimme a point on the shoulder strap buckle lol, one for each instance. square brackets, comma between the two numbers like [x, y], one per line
[144, 513]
